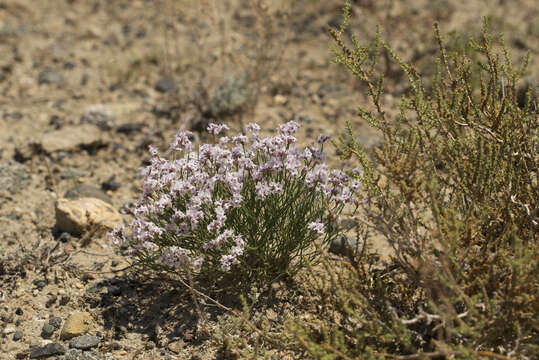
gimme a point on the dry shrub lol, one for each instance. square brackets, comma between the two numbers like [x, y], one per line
[454, 191]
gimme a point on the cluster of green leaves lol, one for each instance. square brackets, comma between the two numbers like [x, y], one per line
[454, 190]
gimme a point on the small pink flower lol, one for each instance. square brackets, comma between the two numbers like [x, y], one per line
[323, 138]
[317, 226]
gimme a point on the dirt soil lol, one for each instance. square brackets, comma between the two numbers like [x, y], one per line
[87, 85]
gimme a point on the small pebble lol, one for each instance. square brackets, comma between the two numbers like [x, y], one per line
[47, 331]
[165, 84]
[64, 300]
[17, 336]
[110, 184]
[40, 284]
[56, 322]
[84, 342]
[65, 237]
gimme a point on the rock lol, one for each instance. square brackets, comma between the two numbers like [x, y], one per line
[84, 342]
[24, 152]
[70, 139]
[280, 100]
[56, 322]
[110, 184]
[87, 191]
[49, 76]
[343, 245]
[65, 237]
[165, 84]
[51, 301]
[17, 335]
[99, 115]
[19, 311]
[47, 331]
[9, 329]
[176, 346]
[64, 300]
[76, 324]
[46, 351]
[39, 283]
[74, 216]
[129, 128]
[14, 177]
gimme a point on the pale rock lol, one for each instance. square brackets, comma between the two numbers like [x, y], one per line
[176, 346]
[77, 324]
[73, 215]
[9, 329]
[280, 100]
[69, 139]
[99, 115]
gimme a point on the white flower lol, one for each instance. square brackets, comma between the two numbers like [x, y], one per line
[317, 226]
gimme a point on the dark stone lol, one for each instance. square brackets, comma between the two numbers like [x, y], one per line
[47, 331]
[129, 128]
[47, 351]
[19, 311]
[110, 184]
[83, 190]
[165, 84]
[51, 301]
[49, 76]
[65, 237]
[64, 300]
[40, 283]
[84, 342]
[141, 33]
[17, 336]
[343, 245]
[56, 322]
[55, 121]
[114, 290]
[84, 79]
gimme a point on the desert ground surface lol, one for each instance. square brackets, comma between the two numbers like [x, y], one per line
[87, 85]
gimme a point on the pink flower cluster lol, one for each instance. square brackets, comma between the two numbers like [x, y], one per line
[182, 217]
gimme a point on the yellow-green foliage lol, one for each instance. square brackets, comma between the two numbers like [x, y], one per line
[454, 191]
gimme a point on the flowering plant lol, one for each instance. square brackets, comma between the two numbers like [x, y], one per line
[249, 208]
